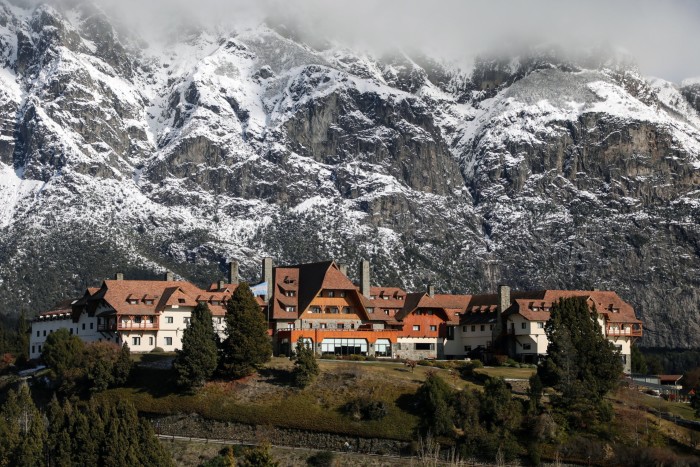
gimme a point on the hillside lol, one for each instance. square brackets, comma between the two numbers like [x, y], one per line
[121, 154]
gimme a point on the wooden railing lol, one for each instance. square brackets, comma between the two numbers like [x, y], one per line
[624, 332]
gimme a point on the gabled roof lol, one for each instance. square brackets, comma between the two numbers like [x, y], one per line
[452, 306]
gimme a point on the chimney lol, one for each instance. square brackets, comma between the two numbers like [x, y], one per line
[364, 278]
[431, 290]
[169, 276]
[344, 269]
[119, 276]
[267, 275]
[222, 285]
[233, 272]
[503, 305]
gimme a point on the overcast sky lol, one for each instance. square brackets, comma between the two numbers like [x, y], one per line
[663, 36]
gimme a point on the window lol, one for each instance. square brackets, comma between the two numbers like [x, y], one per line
[40, 348]
[425, 346]
[386, 312]
[430, 312]
[527, 346]
[32, 349]
[473, 328]
[464, 329]
[342, 293]
[385, 297]
[433, 327]
[370, 310]
[483, 327]
[324, 326]
[168, 341]
[92, 325]
[71, 331]
[347, 310]
[490, 327]
[137, 320]
[450, 333]
[83, 326]
[169, 319]
[45, 332]
[523, 326]
[290, 293]
[540, 325]
[416, 327]
[135, 341]
[315, 309]
[38, 333]
[331, 293]
[180, 300]
[333, 309]
[341, 326]
[290, 308]
[149, 302]
[133, 301]
[186, 320]
[150, 340]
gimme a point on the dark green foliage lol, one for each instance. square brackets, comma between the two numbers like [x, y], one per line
[92, 433]
[321, 459]
[22, 430]
[639, 361]
[581, 364]
[259, 456]
[363, 409]
[433, 400]
[305, 366]
[197, 360]
[534, 393]
[76, 366]
[247, 345]
[123, 365]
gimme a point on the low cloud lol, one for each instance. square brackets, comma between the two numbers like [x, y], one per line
[661, 35]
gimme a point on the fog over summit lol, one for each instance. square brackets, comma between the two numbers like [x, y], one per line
[662, 36]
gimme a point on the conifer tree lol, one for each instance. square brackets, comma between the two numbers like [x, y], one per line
[581, 363]
[305, 365]
[58, 442]
[123, 365]
[247, 345]
[22, 433]
[197, 360]
[22, 338]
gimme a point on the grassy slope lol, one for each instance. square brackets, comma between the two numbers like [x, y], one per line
[267, 399]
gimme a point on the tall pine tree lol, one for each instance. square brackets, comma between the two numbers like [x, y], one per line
[247, 345]
[305, 365]
[197, 360]
[581, 363]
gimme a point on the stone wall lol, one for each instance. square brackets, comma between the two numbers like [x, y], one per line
[198, 427]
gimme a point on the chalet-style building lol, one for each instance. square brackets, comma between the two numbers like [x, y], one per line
[318, 304]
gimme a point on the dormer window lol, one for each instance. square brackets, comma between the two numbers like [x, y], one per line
[180, 300]
[215, 302]
[341, 293]
[372, 297]
[133, 301]
[385, 297]
[370, 310]
[290, 308]
[148, 302]
[386, 312]
[290, 293]
[615, 310]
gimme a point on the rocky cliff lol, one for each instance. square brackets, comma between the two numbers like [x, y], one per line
[536, 170]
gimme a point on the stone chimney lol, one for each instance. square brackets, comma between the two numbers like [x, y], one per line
[267, 275]
[503, 305]
[344, 269]
[222, 285]
[364, 278]
[233, 272]
[119, 276]
[169, 276]
[431, 290]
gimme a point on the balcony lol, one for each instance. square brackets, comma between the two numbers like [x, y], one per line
[128, 326]
[627, 332]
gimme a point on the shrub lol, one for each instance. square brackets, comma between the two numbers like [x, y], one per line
[157, 350]
[362, 409]
[322, 459]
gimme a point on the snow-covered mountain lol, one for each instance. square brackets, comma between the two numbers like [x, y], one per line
[536, 170]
